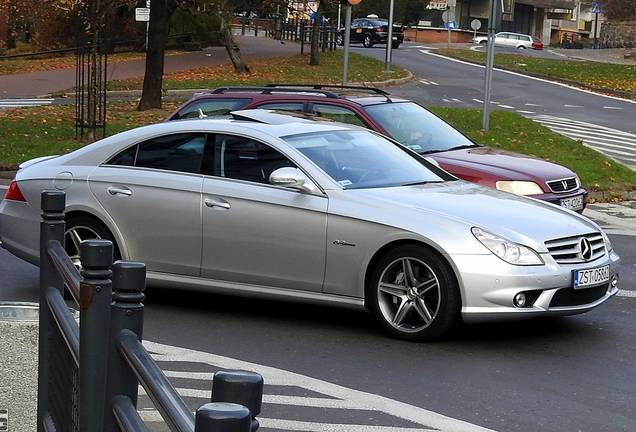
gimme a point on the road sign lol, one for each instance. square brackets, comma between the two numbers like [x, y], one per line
[450, 25]
[475, 24]
[448, 15]
[142, 14]
[596, 7]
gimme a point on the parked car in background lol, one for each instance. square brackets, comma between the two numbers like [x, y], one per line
[273, 206]
[371, 31]
[512, 40]
[410, 124]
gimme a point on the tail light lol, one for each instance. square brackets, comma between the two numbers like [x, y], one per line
[378, 29]
[14, 193]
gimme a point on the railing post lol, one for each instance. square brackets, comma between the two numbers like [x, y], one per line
[127, 313]
[222, 417]
[95, 299]
[239, 387]
[52, 228]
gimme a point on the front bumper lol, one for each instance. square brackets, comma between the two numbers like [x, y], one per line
[489, 285]
[555, 198]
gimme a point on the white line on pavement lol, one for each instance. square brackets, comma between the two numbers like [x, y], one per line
[532, 78]
[478, 101]
[506, 106]
[612, 108]
[273, 376]
[525, 112]
[625, 293]
[572, 106]
[532, 105]
[583, 128]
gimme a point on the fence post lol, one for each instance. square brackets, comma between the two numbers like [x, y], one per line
[127, 313]
[240, 387]
[222, 417]
[95, 299]
[52, 228]
[302, 38]
[242, 26]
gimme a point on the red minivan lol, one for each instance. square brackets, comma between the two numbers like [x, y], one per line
[408, 123]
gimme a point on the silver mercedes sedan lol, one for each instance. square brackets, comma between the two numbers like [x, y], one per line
[268, 205]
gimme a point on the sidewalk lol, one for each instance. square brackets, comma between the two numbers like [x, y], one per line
[42, 83]
[608, 55]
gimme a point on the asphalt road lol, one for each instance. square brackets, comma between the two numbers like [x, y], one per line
[565, 374]
[442, 81]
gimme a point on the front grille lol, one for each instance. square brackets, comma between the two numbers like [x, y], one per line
[567, 250]
[563, 185]
[578, 297]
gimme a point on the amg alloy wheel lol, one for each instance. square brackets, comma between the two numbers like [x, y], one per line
[414, 295]
[82, 228]
[368, 41]
[340, 40]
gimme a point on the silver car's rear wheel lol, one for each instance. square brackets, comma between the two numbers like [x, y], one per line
[409, 294]
[413, 293]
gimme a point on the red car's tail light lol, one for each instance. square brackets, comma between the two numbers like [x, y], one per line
[14, 193]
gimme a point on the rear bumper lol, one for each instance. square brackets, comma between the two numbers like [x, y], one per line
[382, 38]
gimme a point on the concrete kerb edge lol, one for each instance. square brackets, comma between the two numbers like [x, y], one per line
[188, 92]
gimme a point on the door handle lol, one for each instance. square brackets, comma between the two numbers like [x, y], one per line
[217, 203]
[119, 191]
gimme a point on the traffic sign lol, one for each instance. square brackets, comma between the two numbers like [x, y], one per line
[450, 25]
[448, 15]
[596, 7]
[142, 14]
[475, 24]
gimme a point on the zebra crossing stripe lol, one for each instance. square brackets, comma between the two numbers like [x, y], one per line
[335, 397]
[615, 144]
[28, 102]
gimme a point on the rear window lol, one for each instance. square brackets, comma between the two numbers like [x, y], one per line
[210, 108]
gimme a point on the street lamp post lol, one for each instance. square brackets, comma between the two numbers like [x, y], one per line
[389, 40]
[490, 57]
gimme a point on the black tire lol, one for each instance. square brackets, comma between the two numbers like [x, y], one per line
[367, 42]
[340, 40]
[483, 42]
[521, 47]
[448, 314]
[94, 224]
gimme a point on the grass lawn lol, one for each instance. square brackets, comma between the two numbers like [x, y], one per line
[511, 131]
[612, 78]
[24, 65]
[39, 131]
[292, 69]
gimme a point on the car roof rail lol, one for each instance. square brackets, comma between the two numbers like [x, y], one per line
[373, 90]
[269, 117]
[271, 90]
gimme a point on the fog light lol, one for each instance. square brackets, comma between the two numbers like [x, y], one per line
[520, 300]
[614, 282]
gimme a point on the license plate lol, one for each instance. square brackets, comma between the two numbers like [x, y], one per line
[574, 203]
[591, 277]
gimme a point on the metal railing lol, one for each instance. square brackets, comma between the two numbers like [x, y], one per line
[89, 374]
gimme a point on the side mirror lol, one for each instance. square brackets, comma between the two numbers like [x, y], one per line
[291, 178]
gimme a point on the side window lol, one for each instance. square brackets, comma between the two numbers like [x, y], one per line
[336, 113]
[355, 24]
[210, 107]
[245, 159]
[124, 158]
[513, 36]
[284, 106]
[181, 152]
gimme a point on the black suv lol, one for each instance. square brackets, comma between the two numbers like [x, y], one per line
[371, 31]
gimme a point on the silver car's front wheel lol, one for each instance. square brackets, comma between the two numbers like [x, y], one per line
[82, 228]
[414, 294]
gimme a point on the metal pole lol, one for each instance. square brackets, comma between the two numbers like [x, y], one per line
[347, 39]
[51, 228]
[490, 57]
[389, 40]
[222, 417]
[339, 15]
[127, 313]
[147, 29]
[596, 30]
[95, 299]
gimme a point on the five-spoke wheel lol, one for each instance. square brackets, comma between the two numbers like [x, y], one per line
[414, 294]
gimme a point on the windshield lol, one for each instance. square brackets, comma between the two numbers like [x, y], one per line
[360, 159]
[418, 129]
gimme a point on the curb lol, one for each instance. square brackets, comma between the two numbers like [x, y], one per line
[603, 197]
[188, 92]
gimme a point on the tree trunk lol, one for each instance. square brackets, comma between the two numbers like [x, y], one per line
[11, 13]
[314, 57]
[157, 39]
[232, 48]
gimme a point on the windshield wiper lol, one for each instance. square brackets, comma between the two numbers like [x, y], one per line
[465, 146]
[423, 182]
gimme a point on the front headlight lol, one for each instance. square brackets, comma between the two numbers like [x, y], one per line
[608, 243]
[519, 187]
[508, 251]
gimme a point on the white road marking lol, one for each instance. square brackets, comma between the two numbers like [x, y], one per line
[478, 101]
[26, 102]
[556, 53]
[531, 78]
[612, 108]
[506, 106]
[532, 105]
[525, 112]
[625, 293]
[572, 106]
[427, 82]
[475, 48]
[348, 398]
[456, 100]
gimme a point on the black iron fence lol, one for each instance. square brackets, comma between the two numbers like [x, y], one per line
[89, 374]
